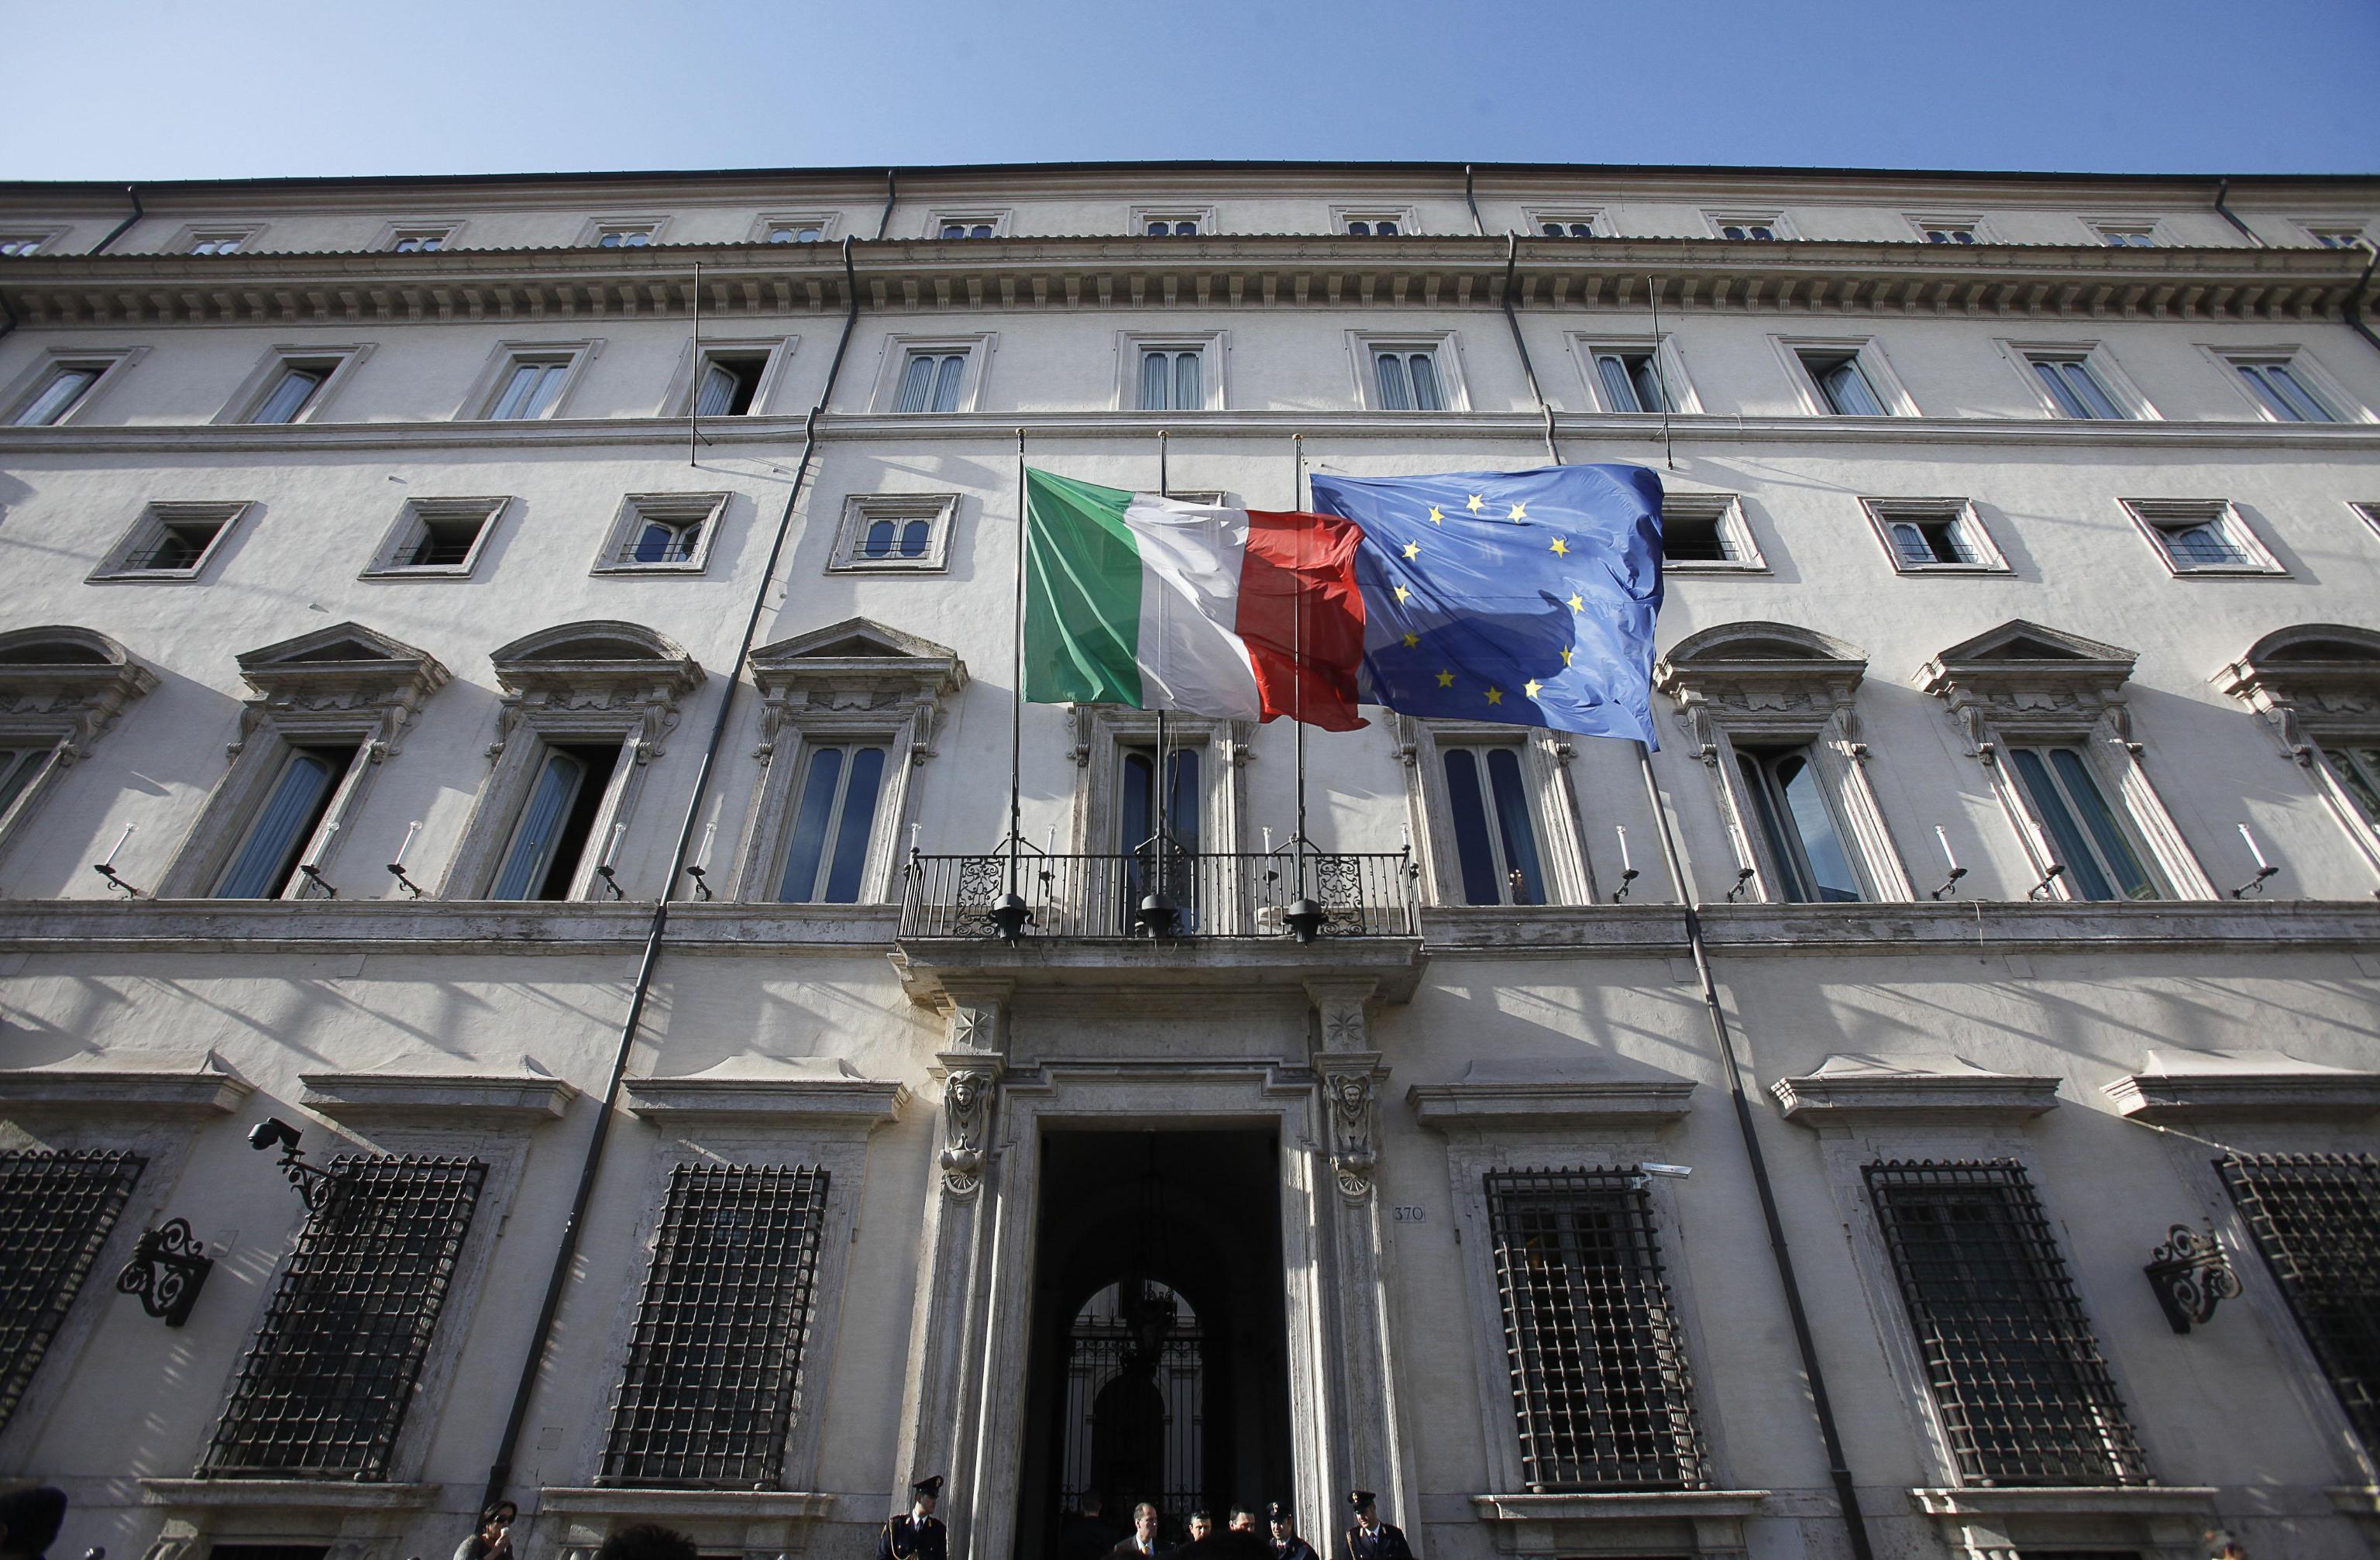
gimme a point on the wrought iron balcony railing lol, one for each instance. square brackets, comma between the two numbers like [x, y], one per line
[1102, 898]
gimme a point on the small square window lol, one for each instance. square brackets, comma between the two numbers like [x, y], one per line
[729, 383]
[420, 240]
[1407, 379]
[895, 532]
[61, 388]
[625, 235]
[2126, 235]
[436, 538]
[528, 383]
[171, 541]
[933, 379]
[1631, 379]
[1754, 226]
[2201, 536]
[227, 240]
[2350, 237]
[1706, 532]
[1173, 378]
[2281, 388]
[663, 533]
[291, 388]
[1933, 536]
[2074, 387]
[1844, 386]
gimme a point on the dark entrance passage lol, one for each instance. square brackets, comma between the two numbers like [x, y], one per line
[1158, 1367]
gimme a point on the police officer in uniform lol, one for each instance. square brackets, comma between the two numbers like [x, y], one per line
[1286, 1544]
[916, 1534]
[1371, 1539]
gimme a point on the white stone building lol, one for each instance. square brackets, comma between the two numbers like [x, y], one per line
[2030, 521]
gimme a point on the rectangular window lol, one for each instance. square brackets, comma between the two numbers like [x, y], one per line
[729, 383]
[2357, 768]
[325, 1389]
[1372, 224]
[663, 533]
[2328, 237]
[1171, 225]
[806, 229]
[58, 392]
[1495, 830]
[224, 241]
[969, 224]
[1754, 226]
[625, 235]
[1600, 1386]
[2316, 1219]
[1567, 225]
[1844, 388]
[932, 382]
[17, 768]
[1933, 534]
[16, 244]
[1797, 828]
[1947, 232]
[1630, 381]
[1407, 379]
[56, 1212]
[2282, 391]
[895, 531]
[1172, 379]
[420, 240]
[265, 866]
[170, 541]
[291, 388]
[2074, 387]
[2126, 235]
[2025, 1396]
[551, 838]
[437, 536]
[2100, 862]
[2201, 536]
[715, 1355]
[1706, 530]
[528, 386]
[832, 823]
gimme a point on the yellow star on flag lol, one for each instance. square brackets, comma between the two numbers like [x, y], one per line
[1445, 680]
[1520, 511]
[1403, 594]
[1562, 548]
[1477, 504]
[1495, 696]
[1412, 549]
[1436, 516]
[1413, 641]
[1531, 686]
[1565, 657]
[1577, 601]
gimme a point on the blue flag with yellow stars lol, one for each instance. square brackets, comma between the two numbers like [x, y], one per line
[1525, 598]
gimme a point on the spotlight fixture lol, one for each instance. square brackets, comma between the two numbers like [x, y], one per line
[316, 1186]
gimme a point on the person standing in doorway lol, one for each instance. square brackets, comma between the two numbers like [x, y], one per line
[1371, 1539]
[1088, 1536]
[917, 1533]
[1143, 1541]
[1286, 1544]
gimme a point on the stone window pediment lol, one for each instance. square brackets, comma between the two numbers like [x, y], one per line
[2023, 677]
[2310, 681]
[343, 676]
[588, 677]
[65, 685]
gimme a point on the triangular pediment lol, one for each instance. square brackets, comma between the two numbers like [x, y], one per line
[854, 638]
[341, 643]
[2018, 640]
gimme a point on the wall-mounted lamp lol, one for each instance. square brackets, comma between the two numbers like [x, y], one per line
[167, 1271]
[2041, 890]
[317, 1187]
[1949, 885]
[1743, 876]
[2263, 869]
[2191, 1276]
[397, 868]
[105, 867]
[1627, 868]
[604, 868]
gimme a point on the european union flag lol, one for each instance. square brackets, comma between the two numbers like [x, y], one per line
[1525, 598]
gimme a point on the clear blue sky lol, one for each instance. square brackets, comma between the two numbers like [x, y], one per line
[191, 88]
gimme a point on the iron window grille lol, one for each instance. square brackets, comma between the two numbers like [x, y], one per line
[714, 1361]
[2024, 1395]
[2316, 1219]
[56, 1212]
[1597, 1357]
[323, 1391]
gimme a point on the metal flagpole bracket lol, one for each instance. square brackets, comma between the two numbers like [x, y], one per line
[167, 1270]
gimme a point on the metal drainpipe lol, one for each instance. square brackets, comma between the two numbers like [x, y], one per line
[1779, 1249]
[2353, 308]
[1476, 225]
[500, 1471]
[891, 193]
[1512, 259]
[131, 193]
[2221, 189]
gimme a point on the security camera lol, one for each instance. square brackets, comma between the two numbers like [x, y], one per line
[271, 1133]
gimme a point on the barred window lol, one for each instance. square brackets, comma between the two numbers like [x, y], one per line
[323, 1391]
[2015, 1371]
[1597, 1357]
[56, 1211]
[2316, 1218]
[714, 1362]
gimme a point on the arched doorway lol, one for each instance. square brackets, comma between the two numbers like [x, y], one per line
[1158, 1364]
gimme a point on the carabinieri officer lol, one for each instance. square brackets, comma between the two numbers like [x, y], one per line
[1371, 1539]
[917, 1533]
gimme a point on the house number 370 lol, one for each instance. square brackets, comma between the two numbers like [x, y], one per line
[1408, 1214]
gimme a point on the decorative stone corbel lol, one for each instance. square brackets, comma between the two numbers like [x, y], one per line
[1350, 1072]
[1078, 726]
[967, 1094]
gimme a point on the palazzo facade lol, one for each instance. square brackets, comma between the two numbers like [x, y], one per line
[511, 681]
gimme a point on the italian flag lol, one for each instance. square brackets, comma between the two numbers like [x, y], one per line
[1160, 604]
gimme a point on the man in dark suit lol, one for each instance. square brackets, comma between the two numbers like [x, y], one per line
[916, 1534]
[1286, 1544]
[1371, 1539]
[1088, 1536]
[1142, 1541]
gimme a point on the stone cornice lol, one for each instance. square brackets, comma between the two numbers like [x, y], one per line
[382, 1097]
[1605, 429]
[1523, 1104]
[2220, 1096]
[1140, 968]
[1966, 1096]
[2136, 1500]
[1540, 932]
[1619, 1505]
[145, 1095]
[286, 1495]
[789, 1102]
[685, 1505]
[1796, 278]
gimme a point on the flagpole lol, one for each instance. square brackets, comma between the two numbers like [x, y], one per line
[1163, 489]
[1017, 708]
[1661, 379]
[1297, 654]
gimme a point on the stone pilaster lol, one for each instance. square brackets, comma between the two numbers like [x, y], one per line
[940, 1399]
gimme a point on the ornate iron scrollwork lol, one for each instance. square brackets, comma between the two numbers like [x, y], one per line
[167, 1271]
[2191, 1276]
